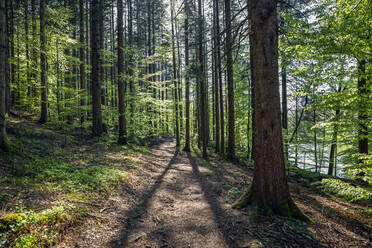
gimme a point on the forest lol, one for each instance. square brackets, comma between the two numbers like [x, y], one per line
[185, 123]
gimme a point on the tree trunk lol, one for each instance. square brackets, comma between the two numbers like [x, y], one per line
[82, 59]
[269, 192]
[97, 127]
[216, 77]
[43, 65]
[187, 79]
[122, 121]
[3, 72]
[363, 93]
[202, 89]
[284, 108]
[230, 83]
[175, 77]
[333, 152]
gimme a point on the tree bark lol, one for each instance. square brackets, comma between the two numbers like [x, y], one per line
[43, 65]
[333, 152]
[230, 83]
[82, 60]
[97, 127]
[363, 93]
[187, 79]
[269, 192]
[3, 72]
[122, 120]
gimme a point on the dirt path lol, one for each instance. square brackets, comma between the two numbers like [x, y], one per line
[178, 202]
[179, 210]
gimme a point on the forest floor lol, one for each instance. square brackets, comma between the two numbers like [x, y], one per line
[64, 188]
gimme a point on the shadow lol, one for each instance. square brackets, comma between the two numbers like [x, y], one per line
[351, 224]
[134, 214]
[221, 217]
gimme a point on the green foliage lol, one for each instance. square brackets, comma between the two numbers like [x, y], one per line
[344, 190]
[38, 229]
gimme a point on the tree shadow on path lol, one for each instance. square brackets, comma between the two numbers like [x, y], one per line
[134, 214]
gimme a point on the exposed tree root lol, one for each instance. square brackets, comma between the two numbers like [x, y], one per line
[288, 209]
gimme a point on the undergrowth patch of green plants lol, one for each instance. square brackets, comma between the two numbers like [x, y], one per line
[343, 189]
[45, 228]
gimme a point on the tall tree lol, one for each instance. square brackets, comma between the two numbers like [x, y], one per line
[175, 77]
[230, 82]
[95, 19]
[363, 92]
[187, 78]
[82, 61]
[202, 87]
[122, 120]
[43, 65]
[3, 72]
[269, 190]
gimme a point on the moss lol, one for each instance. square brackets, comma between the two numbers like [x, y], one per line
[8, 146]
[288, 209]
[10, 219]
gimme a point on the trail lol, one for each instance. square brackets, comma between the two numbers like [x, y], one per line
[182, 202]
[180, 209]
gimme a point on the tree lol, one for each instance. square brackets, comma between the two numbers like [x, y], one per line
[230, 82]
[269, 190]
[187, 78]
[122, 120]
[95, 19]
[82, 60]
[3, 72]
[43, 64]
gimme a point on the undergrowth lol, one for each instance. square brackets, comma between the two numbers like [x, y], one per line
[343, 189]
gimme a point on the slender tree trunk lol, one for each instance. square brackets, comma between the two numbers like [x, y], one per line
[230, 82]
[363, 93]
[43, 65]
[187, 79]
[284, 109]
[175, 77]
[122, 121]
[315, 142]
[216, 75]
[269, 191]
[333, 152]
[27, 51]
[202, 88]
[34, 56]
[82, 59]
[3, 72]
[7, 66]
[97, 127]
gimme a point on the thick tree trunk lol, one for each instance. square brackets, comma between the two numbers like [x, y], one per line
[122, 121]
[269, 192]
[43, 64]
[187, 79]
[230, 83]
[3, 72]
[97, 127]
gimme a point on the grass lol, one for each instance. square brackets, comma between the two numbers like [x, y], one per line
[62, 163]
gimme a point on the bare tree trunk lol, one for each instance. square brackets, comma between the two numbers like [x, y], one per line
[230, 83]
[122, 120]
[175, 77]
[202, 89]
[269, 191]
[187, 79]
[3, 72]
[43, 64]
[363, 93]
[97, 127]
[333, 152]
[82, 64]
